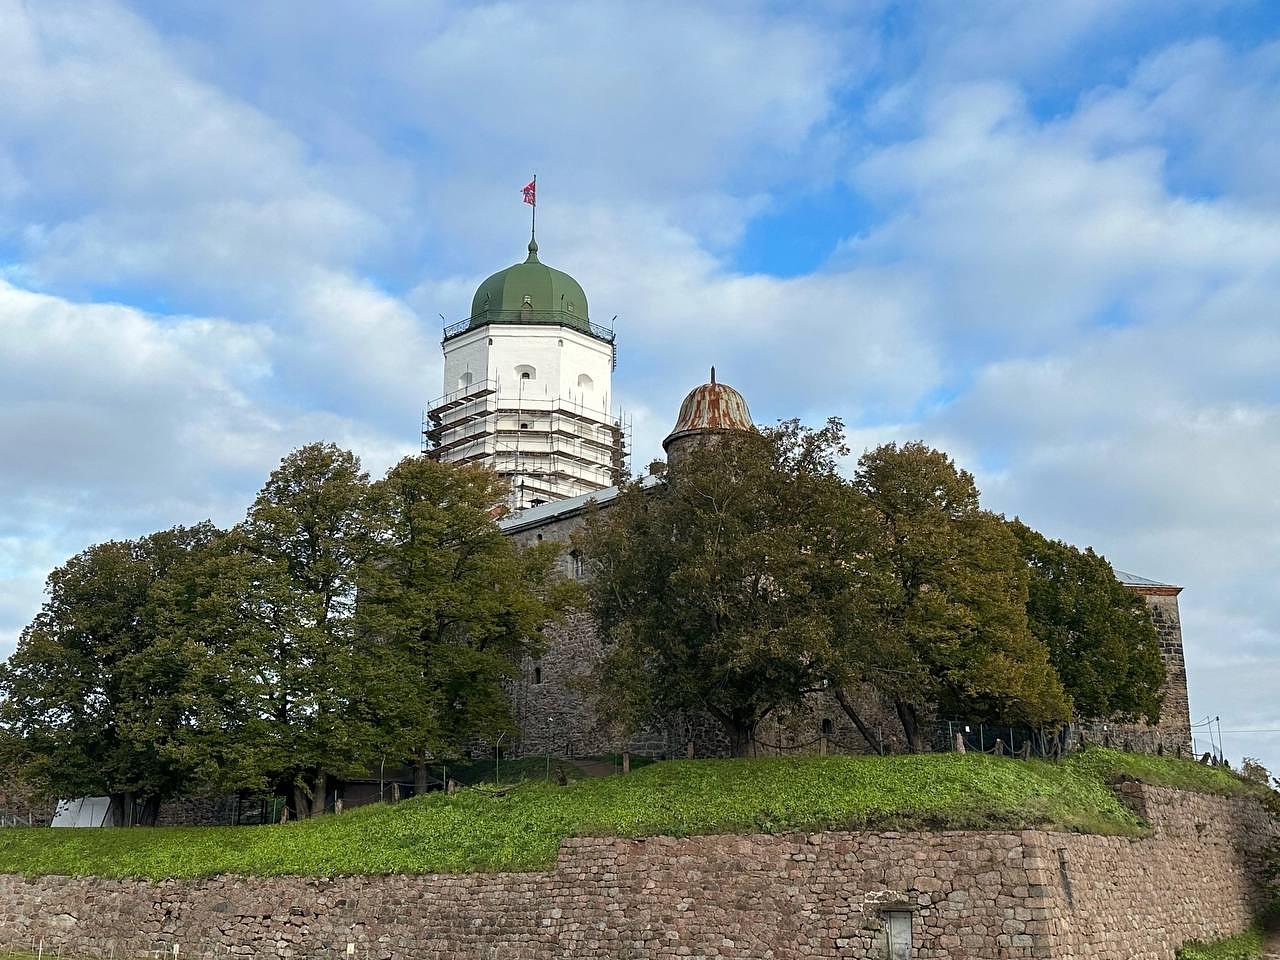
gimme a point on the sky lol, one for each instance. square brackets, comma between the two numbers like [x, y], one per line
[1043, 237]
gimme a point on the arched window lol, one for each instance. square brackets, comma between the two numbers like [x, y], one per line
[585, 382]
[464, 381]
[577, 564]
[526, 372]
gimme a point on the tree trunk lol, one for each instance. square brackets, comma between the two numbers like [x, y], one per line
[150, 812]
[740, 739]
[301, 801]
[852, 714]
[319, 800]
[626, 761]
[910, 725]
[421, 776]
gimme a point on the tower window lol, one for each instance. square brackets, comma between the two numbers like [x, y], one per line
[526, 372]
[524, 426]
[585, 382]
[464, 381]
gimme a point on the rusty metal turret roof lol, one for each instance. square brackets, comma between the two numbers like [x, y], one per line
[711, 408]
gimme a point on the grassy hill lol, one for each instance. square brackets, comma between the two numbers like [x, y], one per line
[521, 829]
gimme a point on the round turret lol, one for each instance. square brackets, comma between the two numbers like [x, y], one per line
[530, 292]
[708, 413]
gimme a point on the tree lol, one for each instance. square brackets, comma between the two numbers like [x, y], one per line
[943, 617]
[1099, 633]
[451, 605]
[98, 699]
[726, 580]
[289, 704]
[1253, 770]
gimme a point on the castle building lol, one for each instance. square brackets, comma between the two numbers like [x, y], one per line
[527, 384]
[527, 388]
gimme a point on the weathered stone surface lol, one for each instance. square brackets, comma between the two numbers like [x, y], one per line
[1031, 894]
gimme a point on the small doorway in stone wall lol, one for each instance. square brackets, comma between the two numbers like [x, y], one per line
[897, 934]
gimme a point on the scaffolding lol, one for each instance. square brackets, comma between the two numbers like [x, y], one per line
[548, 448]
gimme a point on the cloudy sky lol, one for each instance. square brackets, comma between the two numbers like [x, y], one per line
[1045, 237]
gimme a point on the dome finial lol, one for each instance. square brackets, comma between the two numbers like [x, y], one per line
[713, 374]
[533, 251]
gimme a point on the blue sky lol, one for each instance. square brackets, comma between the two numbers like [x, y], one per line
[1045, 237]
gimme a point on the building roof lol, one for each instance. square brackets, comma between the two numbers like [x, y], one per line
[711, 408]
[1133, 580]
[558, 509]
[530, 292]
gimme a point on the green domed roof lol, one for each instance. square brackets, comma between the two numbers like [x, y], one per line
[530, 292]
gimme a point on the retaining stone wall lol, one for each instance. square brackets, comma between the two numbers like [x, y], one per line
[972, 896]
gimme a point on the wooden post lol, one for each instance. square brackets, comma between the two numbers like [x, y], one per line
[626, 761]
[689, 750]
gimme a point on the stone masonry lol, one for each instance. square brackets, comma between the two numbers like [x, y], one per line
[19, 805]
[549, 708]
[976, 896]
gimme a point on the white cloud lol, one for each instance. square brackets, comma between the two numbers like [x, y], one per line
[115, 423]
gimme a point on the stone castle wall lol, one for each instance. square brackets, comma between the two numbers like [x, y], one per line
[550, 711]
[20, 807]
[976, 896]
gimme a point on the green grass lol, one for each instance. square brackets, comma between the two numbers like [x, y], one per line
[1243, 946]
[521, 829]
[1111, 765]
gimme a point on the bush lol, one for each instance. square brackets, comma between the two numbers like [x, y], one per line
[1243, 946]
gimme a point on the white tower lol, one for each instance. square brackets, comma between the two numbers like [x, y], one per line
[527, 386]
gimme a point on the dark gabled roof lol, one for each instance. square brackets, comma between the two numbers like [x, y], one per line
[1133, 580]
[558, 509]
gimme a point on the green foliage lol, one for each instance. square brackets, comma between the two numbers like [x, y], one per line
[1099, 633]
[521, 829]
[725, 586]
[944, 598]
[275, 607]
[451, 605]
[1270, 910]
[339, 625]
[99, 698]
[1252, 769]
[1243, 946]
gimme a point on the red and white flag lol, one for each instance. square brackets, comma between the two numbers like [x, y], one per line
[531, 192]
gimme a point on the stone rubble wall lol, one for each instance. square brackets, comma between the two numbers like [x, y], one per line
[1197, 877]
[19, 806]
[972, 896]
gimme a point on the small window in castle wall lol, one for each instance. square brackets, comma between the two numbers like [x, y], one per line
[826, 726]
[897, 934]
[537, 674]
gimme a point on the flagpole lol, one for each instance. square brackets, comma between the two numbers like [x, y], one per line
[533, 226]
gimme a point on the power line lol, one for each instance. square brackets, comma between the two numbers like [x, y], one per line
[1273, 730]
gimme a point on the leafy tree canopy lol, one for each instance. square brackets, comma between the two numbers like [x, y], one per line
[97, 699]
[1098, 632]
[451, 605]
[726, 580]
[944, 595]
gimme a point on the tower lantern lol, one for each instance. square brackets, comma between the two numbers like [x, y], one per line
[527, 387]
